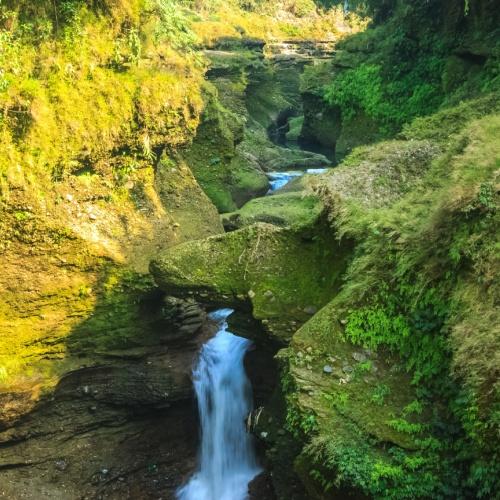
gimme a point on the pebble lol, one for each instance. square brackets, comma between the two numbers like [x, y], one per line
[251, 294]
[264, 435]
[359, 357]
[310, 310]
[347, 369]
[268, 294]
[327, 369]
[61, 464]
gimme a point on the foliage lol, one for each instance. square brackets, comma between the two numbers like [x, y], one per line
[422, 265]
[174, 25]
[414, 332]
[389, 97]
[402, 68]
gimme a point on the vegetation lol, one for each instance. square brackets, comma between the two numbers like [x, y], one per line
[411, 72]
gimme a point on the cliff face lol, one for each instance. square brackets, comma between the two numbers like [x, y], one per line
[413, 60]
[94, 104]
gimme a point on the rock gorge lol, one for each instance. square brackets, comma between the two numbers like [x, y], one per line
[137, 139]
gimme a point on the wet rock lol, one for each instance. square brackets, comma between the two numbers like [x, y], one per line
[185, 318]
[61, 465]
[327, 369]
[359, 357]
[261, 488]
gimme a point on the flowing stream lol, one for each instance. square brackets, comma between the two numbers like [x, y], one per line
[278, 180]
[227, 458]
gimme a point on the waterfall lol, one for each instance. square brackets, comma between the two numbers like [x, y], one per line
[223, 391]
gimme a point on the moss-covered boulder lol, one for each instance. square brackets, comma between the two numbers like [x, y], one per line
[277, 270]
[228, 176]
[286, 210]
[296, 206]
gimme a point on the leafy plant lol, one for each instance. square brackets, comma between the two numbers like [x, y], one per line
[379, 394]
[174, 25]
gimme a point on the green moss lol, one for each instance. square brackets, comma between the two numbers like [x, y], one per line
[415, 273]
[280, 272]
[353, 436]
[295, 209]
[295, 128]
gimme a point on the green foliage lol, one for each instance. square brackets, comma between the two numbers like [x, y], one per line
[174, 25]
[380, 393]
[391, 95]
[300, 423]
[402, 425]
[418, 271]
[127, 49]
[358, 468]
[357, 89]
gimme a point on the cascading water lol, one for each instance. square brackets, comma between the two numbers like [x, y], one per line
[227, 459]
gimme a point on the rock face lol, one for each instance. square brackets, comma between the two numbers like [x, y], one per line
[125, 428]
[296, 206]
[187, 317]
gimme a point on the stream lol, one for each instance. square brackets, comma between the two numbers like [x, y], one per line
[278, 180]
[227, 460]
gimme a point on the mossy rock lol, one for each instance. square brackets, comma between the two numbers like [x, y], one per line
[276, 269]
[226, 173]
[295, 129]
[248, 181]
[290, 209]
[346, 404]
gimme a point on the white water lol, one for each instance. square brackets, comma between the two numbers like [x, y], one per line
[281, 179]
[227, 458]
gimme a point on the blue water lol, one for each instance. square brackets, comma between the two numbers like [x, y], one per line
[279, 180]
[227, 458]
